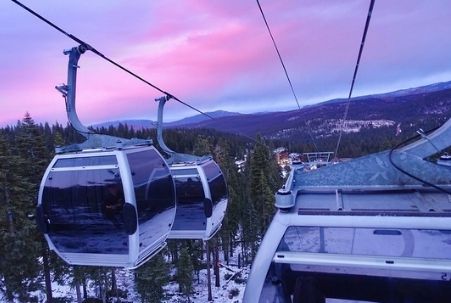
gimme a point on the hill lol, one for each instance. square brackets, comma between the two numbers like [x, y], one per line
[201, 118]
[136, 124]
[396, 111]
[142, 123]
[391, 113]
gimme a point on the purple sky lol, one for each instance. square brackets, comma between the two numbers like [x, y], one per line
[215, 54]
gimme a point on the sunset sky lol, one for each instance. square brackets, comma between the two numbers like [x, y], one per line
[215, 55]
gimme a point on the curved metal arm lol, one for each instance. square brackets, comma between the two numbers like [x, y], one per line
[174, 156]
[161, 102]
[68, 90]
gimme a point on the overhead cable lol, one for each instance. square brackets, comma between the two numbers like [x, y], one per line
[278, 54]
[98, 53]
[362, 43]
[283, 66]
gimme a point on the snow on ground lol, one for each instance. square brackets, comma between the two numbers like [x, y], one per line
[228, 285]
[232, 281]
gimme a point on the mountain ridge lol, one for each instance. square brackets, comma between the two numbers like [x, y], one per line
[387, 110]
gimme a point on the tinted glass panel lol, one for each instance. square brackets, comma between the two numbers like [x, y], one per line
[84, 211]
[283, 284]
[190, 206]
[86, 161]
[211, 170]
[414, 243]
[155, 197]
[186, 171]
[218, 189]
[216, 182]
[359, 283]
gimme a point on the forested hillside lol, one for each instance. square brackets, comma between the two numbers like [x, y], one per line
[374, 122]
[371, 120]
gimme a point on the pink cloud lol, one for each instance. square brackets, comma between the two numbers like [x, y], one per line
[209, 58]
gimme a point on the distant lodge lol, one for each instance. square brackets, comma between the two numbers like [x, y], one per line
[284, 159]
[310, 160]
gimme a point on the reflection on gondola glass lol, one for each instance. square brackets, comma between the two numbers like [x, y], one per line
[216, 182]
[84, 211]
[415, 243]
[315, 264]
[85, 161]
[288, 283]
[154, 191]
[201, 199]
[190, 206]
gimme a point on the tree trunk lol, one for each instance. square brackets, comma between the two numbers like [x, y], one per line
[216, 264]
[231, 246]
[8, 293]
[12, 231]
[77, 290]
[48, 282]
[9, 213]
[225, 249]
[114, 283]
[105, 288]
[85, 291]
[10, 216]
[243, 252]
[210, 297]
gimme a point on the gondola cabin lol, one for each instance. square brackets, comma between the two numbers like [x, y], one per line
[107, 207]
[201, 195]
[363, 230]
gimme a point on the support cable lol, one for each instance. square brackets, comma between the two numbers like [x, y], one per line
[283, 66]
[98, 53]
[278, 54]
[362, 43]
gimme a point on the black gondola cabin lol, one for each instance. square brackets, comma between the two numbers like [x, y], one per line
[201, 199]
[107, 208]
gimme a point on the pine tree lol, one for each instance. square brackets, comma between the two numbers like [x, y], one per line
[202, 146]
[150, 279]
[32, 149]
[173, 250]
[185, 272]
[264, 181]
[236, 192]
[77, 275]
[196, 254]
[249, 234]
[18, 243]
